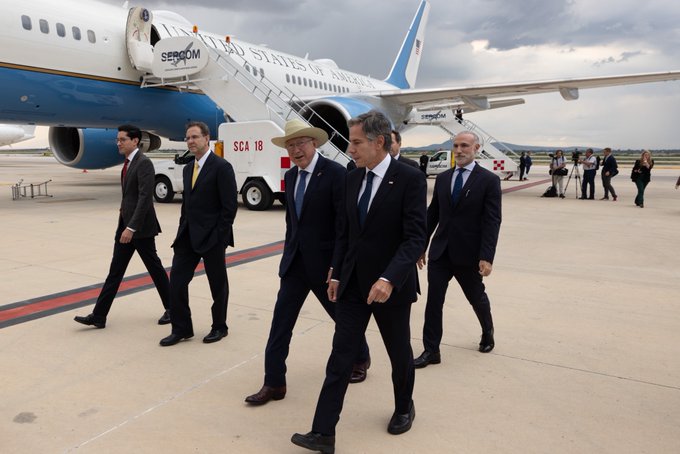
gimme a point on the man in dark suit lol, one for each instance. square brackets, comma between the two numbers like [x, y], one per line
[466, 212]
[315, 196]
[395, 150]
[609, 170]
[137, 229]
[384, 236]
[205, 230]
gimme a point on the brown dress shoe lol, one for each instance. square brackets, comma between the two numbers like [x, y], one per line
[266, 394]
[360, 371]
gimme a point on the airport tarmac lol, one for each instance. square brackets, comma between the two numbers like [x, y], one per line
[585, 297]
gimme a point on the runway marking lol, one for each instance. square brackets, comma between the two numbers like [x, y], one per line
[43, 306]
[526, 185]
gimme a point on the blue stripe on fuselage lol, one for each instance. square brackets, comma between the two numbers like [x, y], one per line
[40, 97]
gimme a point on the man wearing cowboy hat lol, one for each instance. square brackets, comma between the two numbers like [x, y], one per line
[315, 190]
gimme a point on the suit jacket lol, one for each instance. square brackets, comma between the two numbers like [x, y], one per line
[393, 235]
[209, 209]
[408, 161]
[609, 165]
[321, 220]
[136, 206]
[468, 231]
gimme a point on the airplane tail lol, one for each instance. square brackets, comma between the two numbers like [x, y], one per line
[405, 68]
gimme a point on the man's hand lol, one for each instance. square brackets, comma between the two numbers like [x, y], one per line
[380, 292]
[422, 261]
[333, 291]
[126, 236]
[484, 268]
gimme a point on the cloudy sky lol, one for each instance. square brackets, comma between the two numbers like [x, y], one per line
[486, 41]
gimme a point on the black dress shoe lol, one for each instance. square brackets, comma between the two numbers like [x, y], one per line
[487, 343]
[90, 320]
[360, 371]
[266, 394]
[427, 358]
[401, 423]
[173, 339]
[315, 442]
[214, 335]
[165, 318]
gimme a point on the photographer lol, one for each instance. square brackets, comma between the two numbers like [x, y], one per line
[558, 171]
[589, 163]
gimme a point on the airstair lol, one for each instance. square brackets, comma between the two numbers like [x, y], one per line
[500, 160]
[226, 78]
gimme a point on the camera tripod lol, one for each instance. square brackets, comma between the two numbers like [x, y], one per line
[574, 170]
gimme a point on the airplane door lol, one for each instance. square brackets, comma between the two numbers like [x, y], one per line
[138, 38]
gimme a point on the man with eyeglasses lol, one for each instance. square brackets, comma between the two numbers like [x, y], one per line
[315, 190]
[205, 230]
[137, 229]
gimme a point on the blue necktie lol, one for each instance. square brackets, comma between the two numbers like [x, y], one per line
[457, 186]
[365, 198]
[300, 192]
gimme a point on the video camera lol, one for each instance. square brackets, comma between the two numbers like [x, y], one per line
[575, 156]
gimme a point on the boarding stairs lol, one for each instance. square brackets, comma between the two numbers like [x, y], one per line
[227, 80]
[493, 154]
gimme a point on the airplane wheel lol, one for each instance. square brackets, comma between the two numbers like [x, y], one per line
[257, 196]
[162, 190]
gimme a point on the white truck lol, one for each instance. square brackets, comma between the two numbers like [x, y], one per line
[444, 160]
[258, 164]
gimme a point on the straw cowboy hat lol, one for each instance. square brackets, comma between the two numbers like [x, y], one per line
[297, 128]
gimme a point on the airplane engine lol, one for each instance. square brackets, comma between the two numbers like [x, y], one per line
[92, 148]
[336, 111]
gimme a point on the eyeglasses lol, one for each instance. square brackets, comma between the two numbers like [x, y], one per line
[122, 139]
[292, 146]
[186, 139]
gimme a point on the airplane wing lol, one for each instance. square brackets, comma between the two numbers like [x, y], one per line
[480, 97]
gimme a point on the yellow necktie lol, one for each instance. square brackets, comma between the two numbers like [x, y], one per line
[193, 178]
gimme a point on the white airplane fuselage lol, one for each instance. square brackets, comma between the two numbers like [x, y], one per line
[56, 80]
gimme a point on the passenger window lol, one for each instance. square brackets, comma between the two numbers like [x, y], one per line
[288, 78]
[261, 72]
[44, 26]
[90, 36]
[26, 22]
[76, 33]
[61, 30]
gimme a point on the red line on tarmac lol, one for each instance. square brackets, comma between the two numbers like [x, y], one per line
[30, 308]
[526, 185]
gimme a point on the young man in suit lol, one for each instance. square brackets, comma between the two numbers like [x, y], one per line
[315, 196]
[384, 235]
[609, 170]
[395, 150]
[466, 212]
[205, 230]
[137, 229]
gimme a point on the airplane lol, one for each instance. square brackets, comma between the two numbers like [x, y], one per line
[68, 65]
[11, 134]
